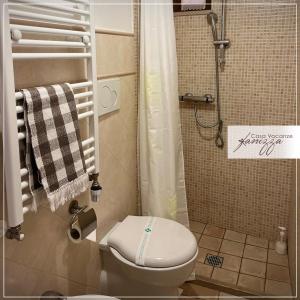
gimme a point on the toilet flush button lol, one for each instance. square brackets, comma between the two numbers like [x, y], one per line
[109, 95]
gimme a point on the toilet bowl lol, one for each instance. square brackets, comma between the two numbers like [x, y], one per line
[146, 256]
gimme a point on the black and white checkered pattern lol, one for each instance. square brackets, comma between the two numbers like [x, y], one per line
[52, 131]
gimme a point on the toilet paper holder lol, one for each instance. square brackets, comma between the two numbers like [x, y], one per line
[82, 223]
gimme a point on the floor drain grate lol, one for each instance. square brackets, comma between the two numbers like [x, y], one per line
[214, 260]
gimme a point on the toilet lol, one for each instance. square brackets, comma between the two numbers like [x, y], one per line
[146, 256]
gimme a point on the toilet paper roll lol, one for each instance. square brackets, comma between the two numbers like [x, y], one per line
[82, 226]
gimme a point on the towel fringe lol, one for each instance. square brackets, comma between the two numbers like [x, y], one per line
[36, 194]
[68, 191]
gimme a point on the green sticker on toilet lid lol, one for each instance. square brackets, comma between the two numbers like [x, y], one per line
[144, 242]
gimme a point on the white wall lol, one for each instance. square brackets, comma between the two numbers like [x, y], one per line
[115, 15]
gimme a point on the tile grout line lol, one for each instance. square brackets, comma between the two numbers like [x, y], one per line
[241, 262]
[267, 266]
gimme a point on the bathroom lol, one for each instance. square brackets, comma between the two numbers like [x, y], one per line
[231, 205]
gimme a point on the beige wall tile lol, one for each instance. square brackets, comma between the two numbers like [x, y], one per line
[245, 196]
[40, 231]
[43, 72]
[115, 54]
[19, 280]
[61, 285]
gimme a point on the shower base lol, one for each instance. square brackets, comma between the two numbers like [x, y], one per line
[250, 265]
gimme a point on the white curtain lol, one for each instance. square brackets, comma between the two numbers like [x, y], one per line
[162, 181]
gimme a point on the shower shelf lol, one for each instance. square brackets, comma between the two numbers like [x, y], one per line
[189, 97]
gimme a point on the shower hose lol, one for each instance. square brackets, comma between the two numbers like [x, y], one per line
[219, 124]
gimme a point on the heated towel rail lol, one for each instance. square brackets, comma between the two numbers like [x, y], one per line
[47, 20]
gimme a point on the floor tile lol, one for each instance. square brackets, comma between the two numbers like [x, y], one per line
[203, 270]
[272, 244]
[256, 253]
[197, 236]
[214, 231]
[255, 241]
[197, 226]
[210, 242]
[235, 236]
[202, 252]
[277, 259]
[279, 273]
[225, 276]
[233, 248]
[251, 283]
[278, 288]
[253, 267]
[231, 262]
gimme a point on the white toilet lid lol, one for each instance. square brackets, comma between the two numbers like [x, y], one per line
[153, 242]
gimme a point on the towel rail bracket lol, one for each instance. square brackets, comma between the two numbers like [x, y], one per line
[14, 233]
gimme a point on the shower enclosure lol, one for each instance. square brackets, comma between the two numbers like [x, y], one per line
[220, 45]
[236, 206]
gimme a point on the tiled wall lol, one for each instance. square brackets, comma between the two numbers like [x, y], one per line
[46, 259]
[257, 88]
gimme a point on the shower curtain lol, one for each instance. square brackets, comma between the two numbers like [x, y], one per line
[162, 181]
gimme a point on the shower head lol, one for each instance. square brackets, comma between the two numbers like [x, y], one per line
[212, 20]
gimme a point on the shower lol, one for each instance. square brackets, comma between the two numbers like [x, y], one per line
[212, 19]
[220, 46]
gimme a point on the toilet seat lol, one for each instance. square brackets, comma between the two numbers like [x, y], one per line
[122, 259]
[152, 242]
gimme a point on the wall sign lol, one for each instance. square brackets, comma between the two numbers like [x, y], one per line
[257, 142]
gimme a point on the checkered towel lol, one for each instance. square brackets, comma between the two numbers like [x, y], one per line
[52, 132]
